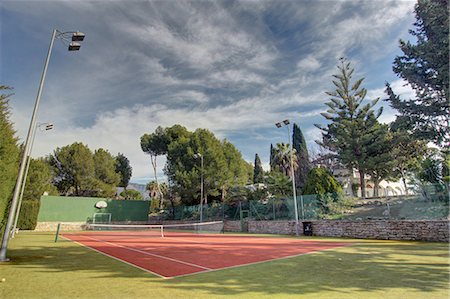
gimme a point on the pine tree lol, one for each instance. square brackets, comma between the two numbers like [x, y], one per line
[258, 171]
[349, 133]
[304, 165]
[425, 66]
[9, 155]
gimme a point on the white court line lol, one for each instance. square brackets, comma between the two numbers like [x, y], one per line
[151, 254]
[260, 262]
[128, 263]
[206, 270]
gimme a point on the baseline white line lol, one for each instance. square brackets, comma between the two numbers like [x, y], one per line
[260, 262]
[117, 259]
[151, 254]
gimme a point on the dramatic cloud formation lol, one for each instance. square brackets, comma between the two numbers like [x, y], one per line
[233, 67]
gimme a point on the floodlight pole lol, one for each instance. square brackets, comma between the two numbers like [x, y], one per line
[294, 192]
[26, 174]
[77, 36]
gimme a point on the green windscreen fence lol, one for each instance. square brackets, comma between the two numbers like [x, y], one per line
[78, 209]
[430, 202]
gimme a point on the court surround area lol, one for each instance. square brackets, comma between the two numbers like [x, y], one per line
[186, 250]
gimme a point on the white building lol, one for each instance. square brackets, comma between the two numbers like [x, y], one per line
[349, 180]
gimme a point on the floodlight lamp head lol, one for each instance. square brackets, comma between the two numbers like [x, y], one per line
[73, 46]
[279, 125]
[286, 121]
[78, 36]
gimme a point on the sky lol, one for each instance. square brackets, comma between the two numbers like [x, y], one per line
[233, 67]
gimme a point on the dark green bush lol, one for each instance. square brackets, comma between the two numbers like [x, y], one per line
[28, 214]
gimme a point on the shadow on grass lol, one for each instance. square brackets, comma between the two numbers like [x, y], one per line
[365, 266]
[368, 266]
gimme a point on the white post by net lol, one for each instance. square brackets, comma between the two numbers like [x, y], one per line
[162, 231]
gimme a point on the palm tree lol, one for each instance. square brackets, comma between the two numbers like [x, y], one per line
[278, 184]
[282, 158]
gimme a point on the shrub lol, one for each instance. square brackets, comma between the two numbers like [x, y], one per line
[28, 214]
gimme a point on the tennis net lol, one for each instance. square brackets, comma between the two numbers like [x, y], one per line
[155, 230]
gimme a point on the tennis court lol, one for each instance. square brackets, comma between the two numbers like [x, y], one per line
[174, 251]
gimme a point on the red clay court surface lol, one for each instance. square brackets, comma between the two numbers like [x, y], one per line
[183, 254]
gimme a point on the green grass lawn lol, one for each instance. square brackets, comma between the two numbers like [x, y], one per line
[41, 268]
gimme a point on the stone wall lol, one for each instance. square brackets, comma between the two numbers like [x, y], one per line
[66, 226]
[272, 227]
[232, 226]
[425, 230]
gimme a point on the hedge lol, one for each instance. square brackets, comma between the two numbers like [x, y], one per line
[28, 214]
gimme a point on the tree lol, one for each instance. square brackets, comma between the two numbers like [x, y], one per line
[282, 156]
[74, 169]
[223, 165]
[407, 153]
[349, 133]
[9, 154]
[304, 165]
[258, 171]
[105, 173]
[320, 181]
[425, 66]
[278, 184]
[124, 169]
[131, 194]
[271, 161]
[39, 180]
[79, 172]
[155, 145]
[239, 171]
[380, 160]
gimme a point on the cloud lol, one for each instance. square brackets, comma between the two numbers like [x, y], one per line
[235, 68]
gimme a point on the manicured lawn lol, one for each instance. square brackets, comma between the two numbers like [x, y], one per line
[41, 268]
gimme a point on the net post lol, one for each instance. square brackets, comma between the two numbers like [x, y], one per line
[162, 231]
[57, 232]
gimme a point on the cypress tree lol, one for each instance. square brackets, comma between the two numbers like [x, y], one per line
[304, 165]
[9, 156]
[258, 172]
[271, 161]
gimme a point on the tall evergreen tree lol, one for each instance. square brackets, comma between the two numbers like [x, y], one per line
[125, 170]
[304, 165]
[258, 171]
[271, 159]
[9, 155]
[349, 133]
[425, 66]
[39, 180]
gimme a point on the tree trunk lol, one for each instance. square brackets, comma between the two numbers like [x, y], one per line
[376, 184]
[404, 181]
[362, 183]
[153, 159]
[223, 193]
